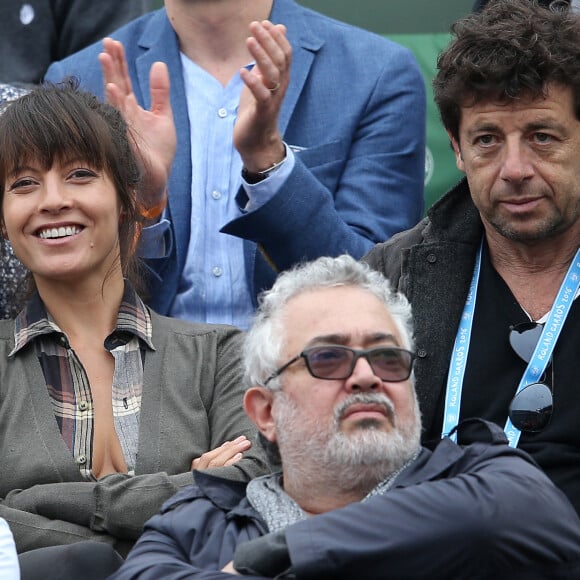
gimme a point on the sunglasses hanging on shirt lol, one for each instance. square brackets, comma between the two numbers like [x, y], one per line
[531, 408]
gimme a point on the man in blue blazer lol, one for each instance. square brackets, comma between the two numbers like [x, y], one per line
[350, 109]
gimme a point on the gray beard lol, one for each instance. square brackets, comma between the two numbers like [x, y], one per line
[321, 457]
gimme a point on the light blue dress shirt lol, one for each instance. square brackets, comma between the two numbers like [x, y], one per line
[214, 283]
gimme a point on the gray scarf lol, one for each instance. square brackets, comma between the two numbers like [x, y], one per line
[279, 510]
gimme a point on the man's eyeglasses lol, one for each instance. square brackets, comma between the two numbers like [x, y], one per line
[390, 363]
[531, 409]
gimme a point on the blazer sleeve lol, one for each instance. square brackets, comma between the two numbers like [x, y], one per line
[331, 205]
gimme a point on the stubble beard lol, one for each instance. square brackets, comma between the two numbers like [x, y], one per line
[517, 228]
[544, 230]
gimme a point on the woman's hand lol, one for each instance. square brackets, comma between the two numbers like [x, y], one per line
[226, 454]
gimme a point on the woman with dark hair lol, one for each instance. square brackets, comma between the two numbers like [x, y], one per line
[105, 406]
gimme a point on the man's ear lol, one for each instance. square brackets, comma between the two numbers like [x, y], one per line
[258, 407]
[457, 151]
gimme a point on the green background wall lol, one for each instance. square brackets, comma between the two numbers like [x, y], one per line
[390, 16]
[422, 26]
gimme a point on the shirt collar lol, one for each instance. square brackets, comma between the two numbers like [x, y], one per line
[133, 319]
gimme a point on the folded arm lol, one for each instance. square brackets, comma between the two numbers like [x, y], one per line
[465, 526]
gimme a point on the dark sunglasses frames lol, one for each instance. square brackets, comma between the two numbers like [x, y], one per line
[390, 364]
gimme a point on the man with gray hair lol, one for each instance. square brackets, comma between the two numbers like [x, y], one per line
[329, 385]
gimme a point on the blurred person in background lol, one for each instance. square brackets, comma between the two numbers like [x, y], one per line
[13, 275]
[297, 136]
[34, 33]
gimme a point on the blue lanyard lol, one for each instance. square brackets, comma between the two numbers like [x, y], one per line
[538, 362]
[458, 361]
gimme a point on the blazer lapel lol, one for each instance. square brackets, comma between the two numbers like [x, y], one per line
[159, 43]
[305, 42]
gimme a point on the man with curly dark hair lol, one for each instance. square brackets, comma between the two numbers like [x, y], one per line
[493, 272]
[481, 4]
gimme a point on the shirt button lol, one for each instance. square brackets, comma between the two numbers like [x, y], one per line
[421, 353]
[222, 113]
[83, 406]
[431, 258]
[216, 194]
[63, 341]
[217, 271]
[81, 459]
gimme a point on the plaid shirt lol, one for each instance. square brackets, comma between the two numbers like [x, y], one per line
[67, 382]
